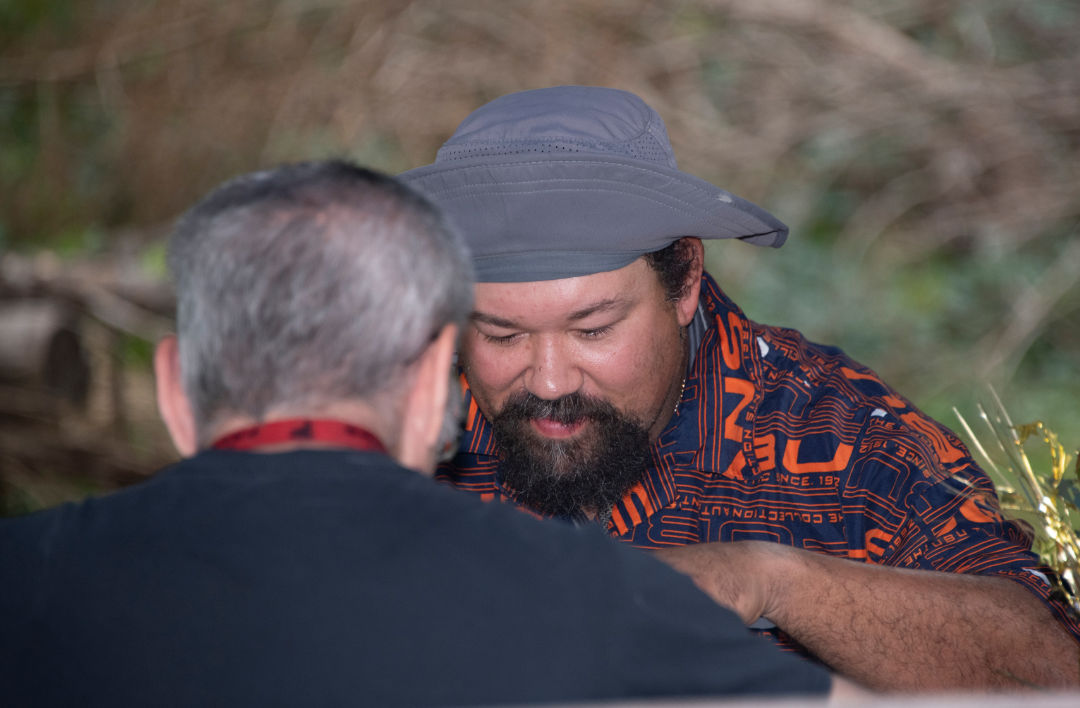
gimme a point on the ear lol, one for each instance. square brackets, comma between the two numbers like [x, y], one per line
[686, 306]
[425, 404]
[173, 403]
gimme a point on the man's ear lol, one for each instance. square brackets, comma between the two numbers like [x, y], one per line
[173, 403]
[425, 405]
[686, 306]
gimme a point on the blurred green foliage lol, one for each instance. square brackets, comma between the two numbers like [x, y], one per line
[17, 17]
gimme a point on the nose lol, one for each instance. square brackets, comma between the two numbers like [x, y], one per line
[553, 371]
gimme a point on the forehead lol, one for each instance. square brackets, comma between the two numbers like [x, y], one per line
[555, 300]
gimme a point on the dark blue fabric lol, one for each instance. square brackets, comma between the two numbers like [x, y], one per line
[334, 578]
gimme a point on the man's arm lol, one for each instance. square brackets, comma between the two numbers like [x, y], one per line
[890, 628]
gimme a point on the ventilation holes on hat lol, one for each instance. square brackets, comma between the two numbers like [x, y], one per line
[647, 147]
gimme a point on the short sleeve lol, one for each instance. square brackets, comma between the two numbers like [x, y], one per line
[926, 504]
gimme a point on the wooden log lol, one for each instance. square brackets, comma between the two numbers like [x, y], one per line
[40, 345]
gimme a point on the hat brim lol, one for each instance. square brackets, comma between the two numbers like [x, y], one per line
[557, 215]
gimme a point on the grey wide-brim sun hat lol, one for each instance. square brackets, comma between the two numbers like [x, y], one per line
[574, 180]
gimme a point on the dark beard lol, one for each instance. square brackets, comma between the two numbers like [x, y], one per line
[566, 478]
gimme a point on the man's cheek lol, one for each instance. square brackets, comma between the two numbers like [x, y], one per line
[490, 375]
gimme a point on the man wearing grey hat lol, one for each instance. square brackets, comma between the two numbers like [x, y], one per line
[610, 381]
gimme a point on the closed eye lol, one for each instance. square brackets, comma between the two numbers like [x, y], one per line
[500, 338]
[595, 332]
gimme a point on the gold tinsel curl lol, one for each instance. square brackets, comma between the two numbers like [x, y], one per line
[1046, 495]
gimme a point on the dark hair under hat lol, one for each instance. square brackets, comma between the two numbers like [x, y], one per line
[575, 180]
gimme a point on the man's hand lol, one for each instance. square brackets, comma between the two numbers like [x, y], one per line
[890, 628]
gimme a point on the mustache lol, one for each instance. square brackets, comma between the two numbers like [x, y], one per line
[566, 409]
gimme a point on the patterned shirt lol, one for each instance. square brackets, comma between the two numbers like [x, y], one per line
[780, 439]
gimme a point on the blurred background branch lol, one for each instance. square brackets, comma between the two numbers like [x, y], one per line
[926, 154]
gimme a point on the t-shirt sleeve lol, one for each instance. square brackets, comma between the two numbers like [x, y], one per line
[674, 639]
[926, 504]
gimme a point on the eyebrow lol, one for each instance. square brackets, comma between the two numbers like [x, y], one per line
[602, 306]
[492, 320]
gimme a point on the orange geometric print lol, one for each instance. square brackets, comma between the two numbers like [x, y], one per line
[836, 464]
[946, 452]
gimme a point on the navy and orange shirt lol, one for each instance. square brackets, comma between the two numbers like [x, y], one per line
[780, 439]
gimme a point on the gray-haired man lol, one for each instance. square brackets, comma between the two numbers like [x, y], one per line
[297, 557]
[611, 380]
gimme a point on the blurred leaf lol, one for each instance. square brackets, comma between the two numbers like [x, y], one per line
[78, 242]
[153, 260]
[18, 17]
[138, 352]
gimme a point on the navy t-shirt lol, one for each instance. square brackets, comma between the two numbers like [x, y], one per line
[336, 577]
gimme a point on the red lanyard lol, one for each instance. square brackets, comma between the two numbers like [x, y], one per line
[332, 432]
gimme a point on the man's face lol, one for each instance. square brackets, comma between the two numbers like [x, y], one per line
[573, 372]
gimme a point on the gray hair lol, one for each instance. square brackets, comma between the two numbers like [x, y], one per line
[308, 284]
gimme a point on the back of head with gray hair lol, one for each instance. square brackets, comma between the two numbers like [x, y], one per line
[308, 284]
